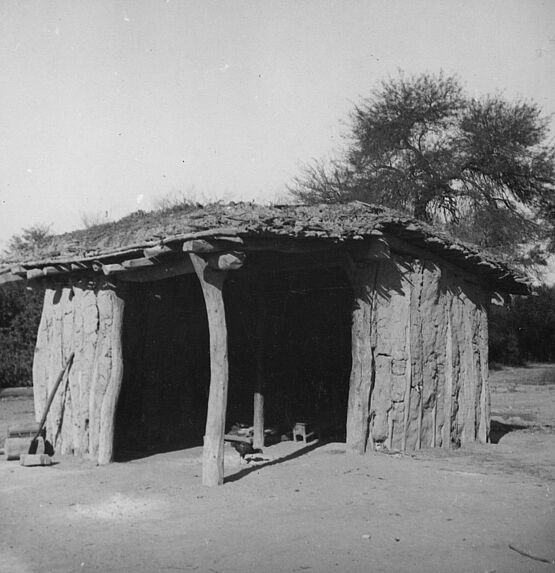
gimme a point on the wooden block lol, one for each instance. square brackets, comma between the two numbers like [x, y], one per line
[30, 460]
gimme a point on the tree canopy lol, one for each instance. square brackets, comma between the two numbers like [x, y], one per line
[29, 241]
[482, 167]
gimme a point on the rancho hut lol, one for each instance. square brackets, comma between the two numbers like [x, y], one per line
[182, 322]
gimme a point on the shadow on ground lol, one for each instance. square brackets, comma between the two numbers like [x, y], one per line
[293, 455]
[500, 429]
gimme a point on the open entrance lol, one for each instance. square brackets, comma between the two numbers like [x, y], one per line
[302, 350]
[291, 328]
[162, 404]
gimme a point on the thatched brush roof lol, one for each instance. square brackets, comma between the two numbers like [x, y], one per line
[335, 224]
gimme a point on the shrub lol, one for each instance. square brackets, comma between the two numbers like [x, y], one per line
[20, 310]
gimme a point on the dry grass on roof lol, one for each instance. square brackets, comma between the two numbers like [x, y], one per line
[337, 222]
[333, 222]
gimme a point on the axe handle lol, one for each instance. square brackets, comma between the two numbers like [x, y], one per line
[67, 365]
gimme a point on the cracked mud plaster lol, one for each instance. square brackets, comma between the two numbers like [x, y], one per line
[77, 318]
[427, 380]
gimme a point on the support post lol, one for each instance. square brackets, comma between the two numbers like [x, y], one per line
[483, 428]
[258, 405]
[212, 282]
[408, 385]
[360, 385]
[110, 398]
[448, 392]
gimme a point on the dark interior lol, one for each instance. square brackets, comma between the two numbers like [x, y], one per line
[290, 329]
[306, 350]
[162, 404]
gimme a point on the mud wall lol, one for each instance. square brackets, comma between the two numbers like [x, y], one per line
[421, 357]
[84, 318]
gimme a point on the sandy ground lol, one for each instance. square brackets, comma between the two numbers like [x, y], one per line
[313, 509]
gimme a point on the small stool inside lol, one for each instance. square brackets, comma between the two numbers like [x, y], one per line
[301, 430]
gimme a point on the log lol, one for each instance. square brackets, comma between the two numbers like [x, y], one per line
[138, 263]
[420, 417]
[156, 251]
[19, 271]
[360, 385]
[448, 392]
[258, 405]
[408, 374]
[390, 430]
[53, 270]
[6, 278]
[212, 283]
[484, 426]
[434, 421]
[469, 373]
[148, 270]
[113, 269]
[288, 246]
[110, 399]
[34, 274]
[203, 246]
[228, 261]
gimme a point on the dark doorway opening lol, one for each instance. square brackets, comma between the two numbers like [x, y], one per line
[306, 353]
[162, 404]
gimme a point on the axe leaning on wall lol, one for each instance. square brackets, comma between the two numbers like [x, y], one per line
[32, 458]
[67, 366]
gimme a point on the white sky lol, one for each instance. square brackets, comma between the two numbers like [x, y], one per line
[105, 105]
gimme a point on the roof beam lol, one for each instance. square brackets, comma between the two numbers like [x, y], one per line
[147, 270]
[202, 246]
[9, 277]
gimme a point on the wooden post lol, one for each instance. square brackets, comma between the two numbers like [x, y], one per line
[360, 386]
[212, 282]
[110, 398]
[483, 429]
[420, 416]
[258, 417]
[434, 421]
[448, 392]
[408, 383]
[390, 430]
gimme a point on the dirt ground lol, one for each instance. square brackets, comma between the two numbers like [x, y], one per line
[312, 509]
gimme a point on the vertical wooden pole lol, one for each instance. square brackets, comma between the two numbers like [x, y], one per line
[483, 429]
[408, 383]
[390, 430]
[212, 282]
[110, 398]
[258, 417]
[448, 392]
[470, 375]
[258, 422]
[420, 416]
[360, 385]
[434, 421]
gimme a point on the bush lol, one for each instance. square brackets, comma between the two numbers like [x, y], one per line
[20, 311]
[524, 330]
